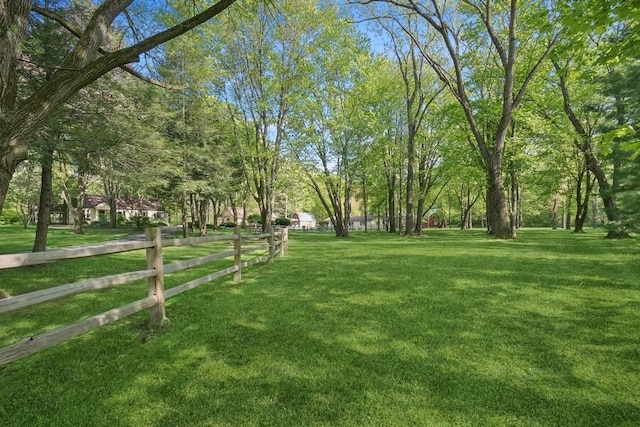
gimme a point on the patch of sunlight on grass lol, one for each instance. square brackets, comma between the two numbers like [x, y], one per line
[252, 325]
[363, 341]
[454, 328]
[375, 298]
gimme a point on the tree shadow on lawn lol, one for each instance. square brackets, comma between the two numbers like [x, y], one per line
[353, 355]
[268, 371]
[383, 346]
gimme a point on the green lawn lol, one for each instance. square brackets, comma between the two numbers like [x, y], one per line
[448, 329]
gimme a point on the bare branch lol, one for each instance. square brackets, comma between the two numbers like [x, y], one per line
[534, 70]
[77, 33]
[495, 40]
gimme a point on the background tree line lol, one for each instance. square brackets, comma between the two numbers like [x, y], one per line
[511, 113]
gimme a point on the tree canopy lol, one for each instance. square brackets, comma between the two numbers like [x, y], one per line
[498, 114]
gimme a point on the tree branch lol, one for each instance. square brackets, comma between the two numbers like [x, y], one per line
[534, 70]
[77, 33]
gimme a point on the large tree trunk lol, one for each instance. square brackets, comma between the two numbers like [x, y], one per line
[14, 15]
[608, 197]
[203, 207]
[113, 210]
[409, 214]
[497, 209]
[515, 198]
[78, 218]
[112, 193]
[264, 218]
[244, 213]
[46, 196]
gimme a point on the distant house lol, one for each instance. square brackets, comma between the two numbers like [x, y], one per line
[97, 207]
[431, 220]
[358, 222]
[227, 216]
[303, 220]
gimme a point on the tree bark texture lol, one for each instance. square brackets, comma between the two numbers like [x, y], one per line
[46, 196]
[497, 208]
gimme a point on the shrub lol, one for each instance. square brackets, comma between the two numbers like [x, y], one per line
[10, 217]
[283, 221]
[140, 222]
[254, 218]
[120, 219]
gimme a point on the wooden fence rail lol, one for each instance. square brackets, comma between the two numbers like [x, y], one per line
[155, 270]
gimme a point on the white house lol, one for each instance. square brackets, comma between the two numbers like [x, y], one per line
[358, 222]
[97, 207]
[303, 220]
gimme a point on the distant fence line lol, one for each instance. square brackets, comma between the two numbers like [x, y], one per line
[276, 244]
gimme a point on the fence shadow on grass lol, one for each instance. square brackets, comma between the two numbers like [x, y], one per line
[406, 334]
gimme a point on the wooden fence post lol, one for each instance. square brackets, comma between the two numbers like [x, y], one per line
[156, 283]
[284, 237]
[272, 252]
[237, 257]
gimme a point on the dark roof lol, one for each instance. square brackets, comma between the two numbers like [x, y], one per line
[123, 203]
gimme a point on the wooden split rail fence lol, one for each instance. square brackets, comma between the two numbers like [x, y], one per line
[155, 270]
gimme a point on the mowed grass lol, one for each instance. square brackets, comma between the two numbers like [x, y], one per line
[448, 329]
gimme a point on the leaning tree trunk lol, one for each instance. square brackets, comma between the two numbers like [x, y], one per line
[608, 197]
[605, 188]
[582, 203]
